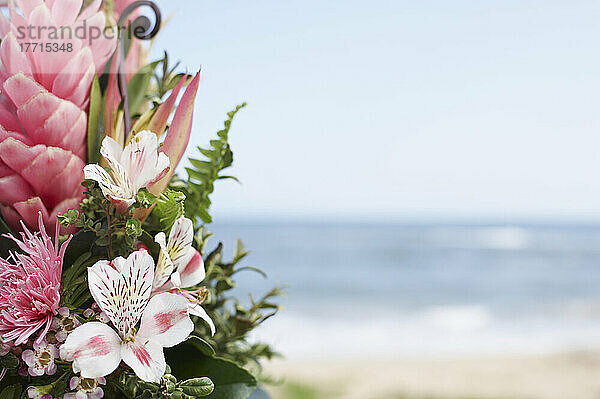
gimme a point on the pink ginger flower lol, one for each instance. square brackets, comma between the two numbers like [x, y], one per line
[43, 102]
[30, 286]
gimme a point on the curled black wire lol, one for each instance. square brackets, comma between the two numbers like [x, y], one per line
[142, 21]
[143, 29]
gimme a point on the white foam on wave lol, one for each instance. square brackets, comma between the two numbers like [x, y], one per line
[477, 237]
[505, 238]
[442, 331]
[457, 318]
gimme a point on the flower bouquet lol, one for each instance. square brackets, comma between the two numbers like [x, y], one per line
[106, 287]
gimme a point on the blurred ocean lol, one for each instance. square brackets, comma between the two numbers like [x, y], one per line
[388, 290]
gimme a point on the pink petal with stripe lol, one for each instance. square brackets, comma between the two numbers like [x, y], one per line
[121, 288]
[166, 320]
[193, 273]
[145, 358]
[94, 348]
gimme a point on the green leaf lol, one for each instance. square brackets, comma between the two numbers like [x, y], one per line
[240, 251]
[200, 344]
[73, 276]
[174, 81]
[94, 132]
[138, 86]
[79, 245]
[6, 244]
[169, 207]
[11, 392]
[230, 380]
[133, 228]
[145, 198]
[198, 386]
[4, 229]
[203, 173]
[9, 361]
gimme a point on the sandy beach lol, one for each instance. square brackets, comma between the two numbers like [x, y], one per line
[558, 376]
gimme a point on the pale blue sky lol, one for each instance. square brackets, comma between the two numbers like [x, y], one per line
[399, 109]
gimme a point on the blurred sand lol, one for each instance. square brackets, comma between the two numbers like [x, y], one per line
[571, 375]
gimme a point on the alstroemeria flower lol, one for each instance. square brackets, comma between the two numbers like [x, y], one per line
[135, 167]
[122, 289]
[181, 267]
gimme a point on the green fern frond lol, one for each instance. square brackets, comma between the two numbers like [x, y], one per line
[169, 207]
[203, 173]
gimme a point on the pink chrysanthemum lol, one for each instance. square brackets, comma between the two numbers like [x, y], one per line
[30, 286]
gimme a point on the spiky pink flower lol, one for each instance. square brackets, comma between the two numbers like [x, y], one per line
[30, 286]
[44, 96]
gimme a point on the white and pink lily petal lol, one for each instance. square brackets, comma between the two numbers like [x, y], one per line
[183, 279]
[165, 323]
[174, 253]
[122, 290]
[136, 166]
[96, 349]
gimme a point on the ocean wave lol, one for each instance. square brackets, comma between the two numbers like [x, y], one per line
[458, 318]
[501, 238]
[436, 332]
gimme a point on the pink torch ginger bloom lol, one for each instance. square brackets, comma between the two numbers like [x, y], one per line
[122, 289]
[30, 286]
[43, 102]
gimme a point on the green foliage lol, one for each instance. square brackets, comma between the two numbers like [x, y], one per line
[11, 392]
[9, 361]
[168, 78]
[169, 207]
[233, 320]
[204, 173]
[139, 84]
[145, 198]
[197, 387]
[115, 232]
[75, 289]
[128, 386]
[230, 380]
[94, 122]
